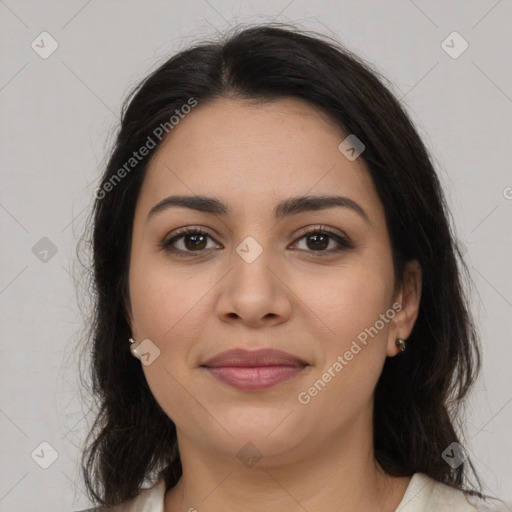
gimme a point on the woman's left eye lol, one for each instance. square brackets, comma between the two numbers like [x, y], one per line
[320, 238]
[194, 241]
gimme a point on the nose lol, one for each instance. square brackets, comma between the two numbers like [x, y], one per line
[255, 292]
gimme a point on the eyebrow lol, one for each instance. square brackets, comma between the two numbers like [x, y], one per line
[286, 208]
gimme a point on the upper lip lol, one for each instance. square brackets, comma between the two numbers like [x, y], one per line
[252, 358]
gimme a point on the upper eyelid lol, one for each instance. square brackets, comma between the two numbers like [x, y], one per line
[322, 227]
[311, 227]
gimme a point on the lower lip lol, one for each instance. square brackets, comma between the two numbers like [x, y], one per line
[254, 378]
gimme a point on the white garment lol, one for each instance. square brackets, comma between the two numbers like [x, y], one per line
[423, 494]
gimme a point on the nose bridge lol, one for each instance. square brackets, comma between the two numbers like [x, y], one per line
[252, 260]
[254, 292]
[255, 245]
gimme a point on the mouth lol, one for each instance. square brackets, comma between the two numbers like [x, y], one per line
[254, 370]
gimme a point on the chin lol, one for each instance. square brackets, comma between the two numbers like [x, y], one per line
[271, 436]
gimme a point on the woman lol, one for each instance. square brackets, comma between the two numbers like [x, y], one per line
[280, 320]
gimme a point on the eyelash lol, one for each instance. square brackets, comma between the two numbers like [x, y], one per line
[167, 244]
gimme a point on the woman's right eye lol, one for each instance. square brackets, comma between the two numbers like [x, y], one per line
[191, 240]
[187, 242]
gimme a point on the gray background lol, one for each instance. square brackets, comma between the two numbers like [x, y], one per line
[58, 115]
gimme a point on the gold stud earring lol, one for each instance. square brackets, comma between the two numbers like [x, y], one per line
[400, 343]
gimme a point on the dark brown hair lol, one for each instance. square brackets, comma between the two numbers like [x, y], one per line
[419, 395]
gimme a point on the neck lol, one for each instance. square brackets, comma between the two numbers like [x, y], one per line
[339, 475]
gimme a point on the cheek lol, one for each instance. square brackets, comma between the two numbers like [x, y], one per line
[169, 309]
[354, 305]
[350, 299]
[164, 300]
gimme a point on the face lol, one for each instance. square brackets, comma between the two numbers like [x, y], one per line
[317, 284]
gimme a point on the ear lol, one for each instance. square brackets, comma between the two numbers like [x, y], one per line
[408, 297]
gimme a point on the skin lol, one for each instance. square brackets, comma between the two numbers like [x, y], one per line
[317, 456]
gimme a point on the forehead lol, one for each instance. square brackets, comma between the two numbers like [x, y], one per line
[256, 153]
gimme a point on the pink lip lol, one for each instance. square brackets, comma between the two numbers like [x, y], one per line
[254, 370]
